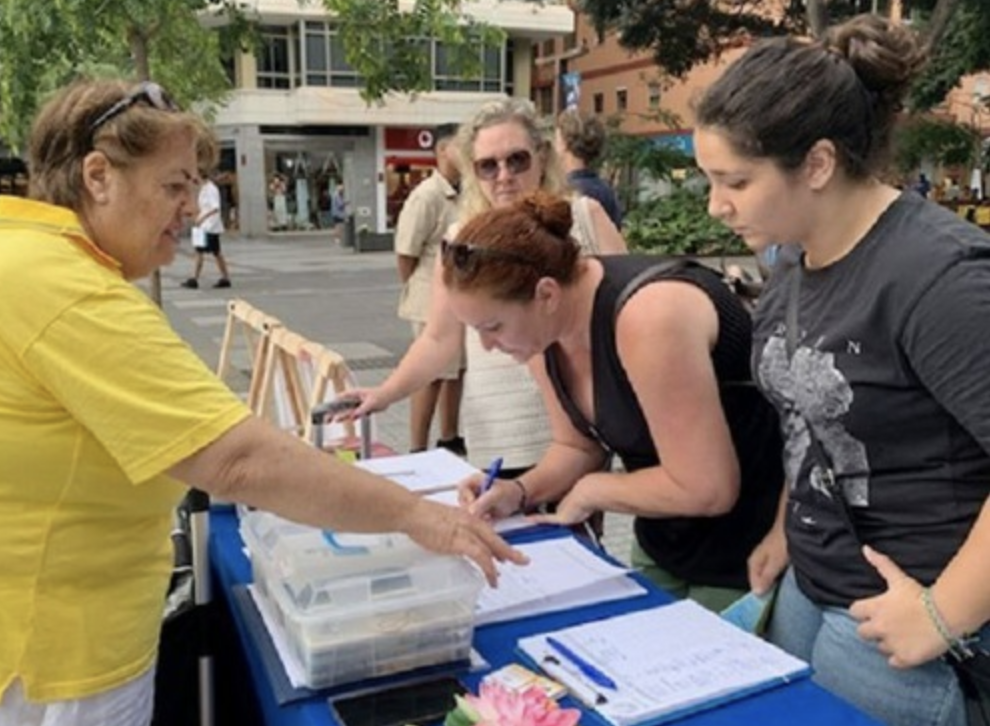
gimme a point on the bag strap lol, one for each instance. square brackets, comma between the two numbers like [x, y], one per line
[578, 419]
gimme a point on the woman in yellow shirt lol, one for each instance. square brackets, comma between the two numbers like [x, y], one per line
[105, 414]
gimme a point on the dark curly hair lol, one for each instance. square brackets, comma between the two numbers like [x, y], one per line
[785, 94]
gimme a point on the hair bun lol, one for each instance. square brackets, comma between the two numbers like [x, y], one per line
[551, 212]
[885, 55]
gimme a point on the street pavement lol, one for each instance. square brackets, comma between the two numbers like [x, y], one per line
[340, 298]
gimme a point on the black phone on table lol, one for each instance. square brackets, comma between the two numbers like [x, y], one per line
[418, 704]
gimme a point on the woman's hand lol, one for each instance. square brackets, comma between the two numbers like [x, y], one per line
[767, 561]
[450, 530]
[370, 400]
[574, 508]
[897, 620]
[502, 499]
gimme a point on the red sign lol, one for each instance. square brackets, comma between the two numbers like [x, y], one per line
[408, 139]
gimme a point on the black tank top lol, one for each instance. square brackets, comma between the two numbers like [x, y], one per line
[701, 550]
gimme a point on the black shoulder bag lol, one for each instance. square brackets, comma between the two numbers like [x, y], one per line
[971, 664]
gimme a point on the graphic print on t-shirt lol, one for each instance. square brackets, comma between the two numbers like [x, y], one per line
[810, 387]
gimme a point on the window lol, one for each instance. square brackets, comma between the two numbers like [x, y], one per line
[276, 68]
[448, 73]
[621, 99]
[317, 54]
[599, 101]
[653, 97]
[312, 53]
[342, 73]
[549, 48]
[510, 69]
[544, 100]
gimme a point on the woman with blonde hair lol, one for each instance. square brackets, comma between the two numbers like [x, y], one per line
[505, 154]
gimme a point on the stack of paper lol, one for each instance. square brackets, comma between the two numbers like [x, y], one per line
[434, 473]
[660, 664]
[561, 574]
[424, 472]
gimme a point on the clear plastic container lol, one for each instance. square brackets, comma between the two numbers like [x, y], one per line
[282, 549]
[347, 617]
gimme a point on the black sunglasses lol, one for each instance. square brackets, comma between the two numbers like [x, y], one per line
[466, 257]
[518, 162]
[146, 92]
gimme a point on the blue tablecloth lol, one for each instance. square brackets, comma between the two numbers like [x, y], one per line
[800, 702]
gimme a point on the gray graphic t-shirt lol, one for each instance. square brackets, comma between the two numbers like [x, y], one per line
[892, 369]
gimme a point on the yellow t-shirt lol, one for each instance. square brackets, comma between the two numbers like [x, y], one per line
[98, 397]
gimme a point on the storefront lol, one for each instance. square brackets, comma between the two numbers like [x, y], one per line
[408, 161]
[300, 180]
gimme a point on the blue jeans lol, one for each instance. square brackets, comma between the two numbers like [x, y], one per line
[855, 670]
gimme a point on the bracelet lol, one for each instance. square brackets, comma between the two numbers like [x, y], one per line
[525, 498]
[957, 646]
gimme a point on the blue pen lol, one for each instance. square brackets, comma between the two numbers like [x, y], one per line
[493, 470]
[595, 675]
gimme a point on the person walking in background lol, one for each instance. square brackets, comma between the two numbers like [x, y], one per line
[504, 154]
[429, 211]
[338, 212]
[650, 364]
[206, 231]
[869, 339]
[580, 143]
[106, 415]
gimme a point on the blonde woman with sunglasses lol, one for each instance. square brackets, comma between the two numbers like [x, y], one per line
[105, 412]
[505, 153]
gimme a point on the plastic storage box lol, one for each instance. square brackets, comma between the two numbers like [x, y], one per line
[281, 549]
[358, 607]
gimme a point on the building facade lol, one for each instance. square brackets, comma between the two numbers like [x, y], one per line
[592, 70]
[296, 126]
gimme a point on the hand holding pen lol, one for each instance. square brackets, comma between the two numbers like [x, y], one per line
[486, 500]
[494, 469]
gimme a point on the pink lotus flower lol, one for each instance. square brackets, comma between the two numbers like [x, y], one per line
[498, 706]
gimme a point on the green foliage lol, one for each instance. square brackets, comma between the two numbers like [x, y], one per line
[630, 158]
[44, 45]
[679, 224]
[945, 142]
[387, 45]
[967, 52]
[679, 33]
[684, 33]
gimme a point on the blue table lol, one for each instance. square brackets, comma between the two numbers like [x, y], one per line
[800, 702]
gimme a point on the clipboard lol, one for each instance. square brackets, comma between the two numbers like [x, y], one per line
[662, 663]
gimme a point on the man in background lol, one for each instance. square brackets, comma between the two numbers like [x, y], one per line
[580, 143]
[428, 212]
[206, 232]
[338, 212]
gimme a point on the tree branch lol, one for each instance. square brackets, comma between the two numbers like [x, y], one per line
[939, 22]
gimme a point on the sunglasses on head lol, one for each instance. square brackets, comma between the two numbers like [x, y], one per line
[147, 92]
[518, 162]
[465, 257]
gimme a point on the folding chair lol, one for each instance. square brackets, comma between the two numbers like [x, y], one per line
[255, 328]
[300, 377]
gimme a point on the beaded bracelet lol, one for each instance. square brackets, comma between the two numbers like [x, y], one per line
[958, 647]
[522, 490]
